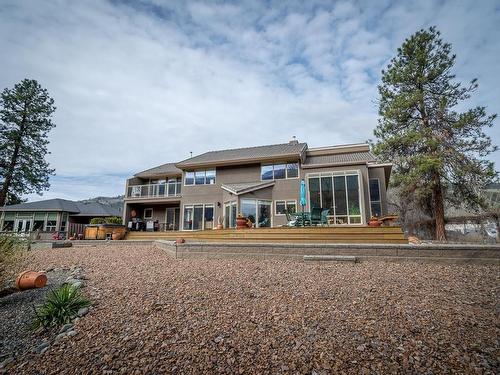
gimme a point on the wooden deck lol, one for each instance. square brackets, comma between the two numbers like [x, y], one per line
[283, 235]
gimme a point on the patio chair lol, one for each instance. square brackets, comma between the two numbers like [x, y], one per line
[324, 216]
[316, 215]
[290, 221]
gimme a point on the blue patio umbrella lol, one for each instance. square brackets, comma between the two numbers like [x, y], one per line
[302, 200]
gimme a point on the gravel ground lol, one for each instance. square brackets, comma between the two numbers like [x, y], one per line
[17, 314]
[157, 315]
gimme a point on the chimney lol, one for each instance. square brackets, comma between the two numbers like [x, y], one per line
[294, 141]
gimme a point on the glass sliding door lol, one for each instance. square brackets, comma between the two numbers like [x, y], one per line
[257, 211]
[327, 193]
[230, 215]
[208, 217]
[353, 200]
[188, 218]
[198, 217]
[340, 200]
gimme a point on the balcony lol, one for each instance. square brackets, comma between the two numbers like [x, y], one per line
[165, 190]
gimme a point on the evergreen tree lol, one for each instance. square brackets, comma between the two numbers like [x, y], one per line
[25, 121]
[438, 153]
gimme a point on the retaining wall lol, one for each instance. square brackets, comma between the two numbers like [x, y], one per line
[444, 253]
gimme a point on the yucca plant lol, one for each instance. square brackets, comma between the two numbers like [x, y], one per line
[60, 307]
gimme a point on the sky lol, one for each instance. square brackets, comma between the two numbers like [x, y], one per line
[141, 83]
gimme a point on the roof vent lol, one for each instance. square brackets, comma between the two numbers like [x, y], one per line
[294, 141]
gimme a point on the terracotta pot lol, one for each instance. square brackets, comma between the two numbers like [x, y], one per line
[31, 279]
[219, 226]
[241, 223]
[180, 240]
[374, 222]
[116, 236]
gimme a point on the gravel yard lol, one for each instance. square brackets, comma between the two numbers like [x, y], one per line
[154, 314]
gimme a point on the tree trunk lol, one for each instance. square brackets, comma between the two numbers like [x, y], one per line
[439, 211]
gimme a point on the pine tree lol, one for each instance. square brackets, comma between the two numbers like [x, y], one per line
[438, 153]
[25, 121]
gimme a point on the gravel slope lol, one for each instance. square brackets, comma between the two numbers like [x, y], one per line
[157, 315]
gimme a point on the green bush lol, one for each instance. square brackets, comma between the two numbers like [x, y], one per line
[106, 220]
[113, 220]
[60, 307]
[97, 220]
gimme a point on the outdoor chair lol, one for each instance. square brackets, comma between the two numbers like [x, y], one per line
[316, 215]
[290, 221]
[324, 216]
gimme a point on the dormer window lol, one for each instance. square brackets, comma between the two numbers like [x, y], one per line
[279, 171]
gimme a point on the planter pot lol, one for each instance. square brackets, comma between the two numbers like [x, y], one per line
[180, 240]
[30, 280]
[219, 226]
[374, 223]
[241, 223]
[116, 236]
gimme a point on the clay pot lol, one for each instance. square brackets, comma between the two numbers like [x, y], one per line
[241, 222]
[374, 222]
[180, 240]
[116, 236]
[219, 226]
[30, 280]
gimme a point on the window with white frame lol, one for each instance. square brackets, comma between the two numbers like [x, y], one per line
[51, 224]
[198, 217]
[279, 171]
[375, 203]
[148, 213]
[200, 177]
[282, 206]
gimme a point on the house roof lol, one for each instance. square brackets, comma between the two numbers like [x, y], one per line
[347, 158]
[168, 169]
[64, 205]
[243, 155]
[246, 187]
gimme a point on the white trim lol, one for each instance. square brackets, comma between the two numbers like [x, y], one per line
[264, 184]
[381, 165]
[349, 145]
[286, 204]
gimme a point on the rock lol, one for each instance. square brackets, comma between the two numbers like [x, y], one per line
[6, 361]
[44, 350]
[83, 311]
[361, 348]
[42, 346]
[77, 284]
[60, 336]
[66, 327]
[71, 333]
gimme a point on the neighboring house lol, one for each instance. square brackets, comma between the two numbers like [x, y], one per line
[260, 183]
[52, 215]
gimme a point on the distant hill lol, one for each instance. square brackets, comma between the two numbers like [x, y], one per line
[115, 202]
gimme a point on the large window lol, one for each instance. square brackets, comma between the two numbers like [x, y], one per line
[51, 225]
[202, 177]
[279, 171]
[375, 204]
[257, 211]
[8, 221]
[281, 206]
[198, 217]
[337, 193]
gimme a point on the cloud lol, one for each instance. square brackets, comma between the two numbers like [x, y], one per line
[142, 83]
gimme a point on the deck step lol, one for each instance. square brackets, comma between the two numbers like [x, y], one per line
[330, 258]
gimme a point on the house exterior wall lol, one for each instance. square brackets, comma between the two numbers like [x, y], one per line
[282, 190]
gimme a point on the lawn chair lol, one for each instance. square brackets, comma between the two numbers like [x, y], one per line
[290, 221]
[316, 215]
[324, 216]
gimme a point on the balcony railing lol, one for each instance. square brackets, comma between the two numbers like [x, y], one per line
[166, 190]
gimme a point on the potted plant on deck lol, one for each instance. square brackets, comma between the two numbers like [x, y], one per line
[241, 221]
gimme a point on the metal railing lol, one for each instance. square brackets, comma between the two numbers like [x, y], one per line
[166, 190]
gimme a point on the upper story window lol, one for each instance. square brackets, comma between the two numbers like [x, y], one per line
[279, 171]
[202, 177]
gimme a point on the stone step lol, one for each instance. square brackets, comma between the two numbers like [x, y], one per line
[330, 258]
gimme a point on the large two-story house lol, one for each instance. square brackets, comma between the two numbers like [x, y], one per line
[261, 183]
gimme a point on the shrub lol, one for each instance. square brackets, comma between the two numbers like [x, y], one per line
[97, 220]
[113, 220]
[106, 220]
[12, 251]
[60, 307]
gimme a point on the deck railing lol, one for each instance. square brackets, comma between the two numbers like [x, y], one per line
[165, 190]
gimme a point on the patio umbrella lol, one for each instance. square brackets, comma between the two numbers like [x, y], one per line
[302, 200]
